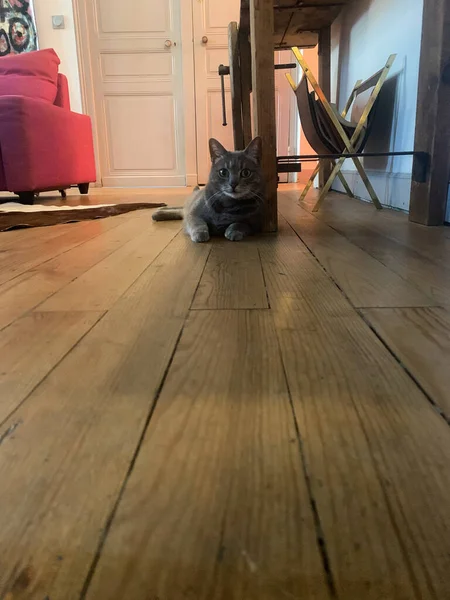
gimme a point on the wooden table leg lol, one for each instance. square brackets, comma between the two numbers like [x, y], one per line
[325, 84]
[235, 85]
[246, 82]
[429, 198]
[263, 78]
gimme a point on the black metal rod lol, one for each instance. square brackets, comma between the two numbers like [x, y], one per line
[295, 7]
[285, 66]
[224, 106]
[361, 155]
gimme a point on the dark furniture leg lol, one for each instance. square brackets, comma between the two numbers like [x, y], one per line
[26, 197]
[84, 188]
[63, 193]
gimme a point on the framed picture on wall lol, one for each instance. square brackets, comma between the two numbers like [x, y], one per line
[17, 27]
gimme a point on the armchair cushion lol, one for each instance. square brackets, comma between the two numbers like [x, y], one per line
[30, 74]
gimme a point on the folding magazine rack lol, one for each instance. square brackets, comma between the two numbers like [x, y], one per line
[330, 134]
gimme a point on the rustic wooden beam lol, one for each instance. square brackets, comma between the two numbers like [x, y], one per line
[263, 78]
[246, 82]
[325, 84]
[235, 85]
[428, 200]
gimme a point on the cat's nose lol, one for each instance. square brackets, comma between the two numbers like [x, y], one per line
[233, 186]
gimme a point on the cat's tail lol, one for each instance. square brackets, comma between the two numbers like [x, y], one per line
[168, 213]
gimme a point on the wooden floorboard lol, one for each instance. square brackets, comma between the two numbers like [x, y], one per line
[421, 260]
[365, 281]
[233, 278]
[32, 347]
[420, 338]
[222, 421]
[22, 258]
[102, 285]
[377, 452]
[221, 451]
[431, 243]
[63, 466]
[33, 287]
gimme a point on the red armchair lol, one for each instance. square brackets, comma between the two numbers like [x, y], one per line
[43, 145]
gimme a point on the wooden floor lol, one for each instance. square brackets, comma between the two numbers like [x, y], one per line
[266, 420]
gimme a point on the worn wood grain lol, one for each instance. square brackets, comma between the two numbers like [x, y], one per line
[365, 281]
[263, 86]
[415, 253]
[235, 85]
[233, 278]
[32, 347]
[102, 285]
[324, 57]
[246, 81]
[22, 258]
[63, 465]
[228, 517]
[33, 287]
[420, 338]
[429, 198]
[376, 451]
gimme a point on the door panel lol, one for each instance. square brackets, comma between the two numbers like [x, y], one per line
[149, 143]
[145, 16]
[211, 19]
[138, 73]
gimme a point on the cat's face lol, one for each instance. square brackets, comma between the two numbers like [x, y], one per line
[236, 174]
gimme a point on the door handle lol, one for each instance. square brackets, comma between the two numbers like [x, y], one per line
[168, 44]
[204, 39]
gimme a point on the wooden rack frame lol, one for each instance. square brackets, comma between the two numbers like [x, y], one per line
[349, 144]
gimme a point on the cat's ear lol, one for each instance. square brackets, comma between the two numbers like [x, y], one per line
[216, 149]
[254, 149]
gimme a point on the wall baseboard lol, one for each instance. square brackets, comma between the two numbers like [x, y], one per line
[191, 180]
[393, 189]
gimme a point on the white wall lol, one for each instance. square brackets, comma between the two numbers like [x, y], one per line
[362, 38]
[63, 41]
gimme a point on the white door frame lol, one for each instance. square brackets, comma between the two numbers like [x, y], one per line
[85, 59]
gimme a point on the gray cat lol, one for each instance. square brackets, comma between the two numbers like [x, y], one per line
[232, 202]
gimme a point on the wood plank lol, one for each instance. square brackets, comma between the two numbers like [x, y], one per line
[420, 338]
[32, 347]
[298, 25]
[233, 278]
[392, 243]
[80, 428]
[26, 291]
[246, 82]
[429, 199]
[102, 285]
[235, 86]
[324, 52]
[218, 486]
[28, 237]
[20, 259]
[431, 243]
[376, 451]
[365, 281]
[263, 85]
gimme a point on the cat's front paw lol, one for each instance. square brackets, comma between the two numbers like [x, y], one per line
[200, 236]
[234, 235]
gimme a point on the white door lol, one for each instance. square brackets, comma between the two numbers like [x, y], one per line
[210, 22]
[137, 74]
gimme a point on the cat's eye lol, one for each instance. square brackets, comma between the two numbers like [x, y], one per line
[245, 173]
[223, 173]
